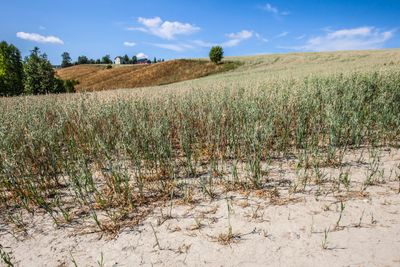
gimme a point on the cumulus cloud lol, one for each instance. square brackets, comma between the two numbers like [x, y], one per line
[141, 55]
[164, 29]
[237, 38]
[129, 44]
[35, 37]
[150, 23]
[274, 10]
[348, 39]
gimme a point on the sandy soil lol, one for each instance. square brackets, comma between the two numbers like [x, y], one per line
[292, 229]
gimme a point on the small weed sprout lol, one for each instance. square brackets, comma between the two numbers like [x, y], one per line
[324, 243]
[157, 244]
[342, 207]
[358, 225]
[5, 257]
[229, 237]
[344, 178]
[100, 262]
[73, 259]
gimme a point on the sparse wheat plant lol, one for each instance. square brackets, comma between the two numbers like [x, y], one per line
[5, 257]
[324, 243]
[342, 207]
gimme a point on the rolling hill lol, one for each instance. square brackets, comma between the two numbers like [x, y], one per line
[99, 77]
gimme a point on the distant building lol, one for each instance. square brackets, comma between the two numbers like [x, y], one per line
[117, 60]
[143, 61]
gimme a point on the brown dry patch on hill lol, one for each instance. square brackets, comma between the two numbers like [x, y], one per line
[98, 77]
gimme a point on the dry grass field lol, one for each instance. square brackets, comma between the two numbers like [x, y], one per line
[99, 77]
[287, 160]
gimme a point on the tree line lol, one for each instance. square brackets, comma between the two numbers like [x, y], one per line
[67, 61]
[33, 75]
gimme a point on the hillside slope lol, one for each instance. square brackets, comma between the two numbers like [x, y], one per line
[98, 77]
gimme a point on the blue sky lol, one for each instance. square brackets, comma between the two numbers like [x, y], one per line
[187, 28]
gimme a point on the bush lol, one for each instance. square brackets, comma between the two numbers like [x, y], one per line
[216, 54]
[69, 86]
[109, 66]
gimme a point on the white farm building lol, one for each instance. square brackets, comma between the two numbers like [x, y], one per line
[117, 60]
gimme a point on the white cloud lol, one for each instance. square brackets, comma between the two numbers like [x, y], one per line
[261, 38]
[140, 29]
[274, 10]
[231, 43]
[282, 34]
[141, 55]
[129, 44]
[203, 43]
[234, 39]
[362, 31]
[175, 47]
[150, 23]
[35, 37]
[300, 37]
[241, 35]
[237, 38]
[164, 29]
[348, 39]
[270, 8]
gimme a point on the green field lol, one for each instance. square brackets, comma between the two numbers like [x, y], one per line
[113, 155]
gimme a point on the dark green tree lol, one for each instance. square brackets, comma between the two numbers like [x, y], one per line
[134, 60]
[11, 70]
[125, 60]
[39, 76]
[106, 60]
[155, 60]
[66, 60]
[82, 60]
[216, 54]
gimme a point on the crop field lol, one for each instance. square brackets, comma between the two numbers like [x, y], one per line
[296, 152]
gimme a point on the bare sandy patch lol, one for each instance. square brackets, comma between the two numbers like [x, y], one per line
[278, 225]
